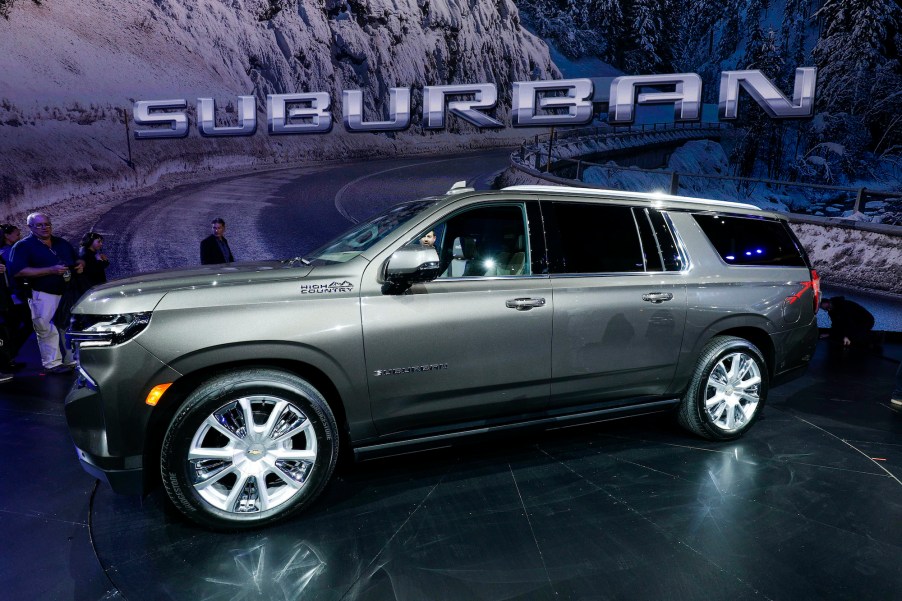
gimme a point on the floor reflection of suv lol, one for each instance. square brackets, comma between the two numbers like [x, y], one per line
[436, 319]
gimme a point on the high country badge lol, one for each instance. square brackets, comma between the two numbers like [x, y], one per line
[332, 288]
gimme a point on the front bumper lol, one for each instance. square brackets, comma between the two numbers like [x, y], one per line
[84, 414]
[107, 417]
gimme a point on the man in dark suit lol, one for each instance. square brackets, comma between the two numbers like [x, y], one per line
[214, 249]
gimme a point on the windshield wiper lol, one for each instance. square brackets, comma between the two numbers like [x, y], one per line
[296, 260]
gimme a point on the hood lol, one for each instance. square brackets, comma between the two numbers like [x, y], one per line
[143, 292]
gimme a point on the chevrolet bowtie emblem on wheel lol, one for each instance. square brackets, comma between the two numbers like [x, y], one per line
[255, 452]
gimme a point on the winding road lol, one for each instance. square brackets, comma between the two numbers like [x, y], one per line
[280, 213]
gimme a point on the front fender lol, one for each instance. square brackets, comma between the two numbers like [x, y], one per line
[296, 357]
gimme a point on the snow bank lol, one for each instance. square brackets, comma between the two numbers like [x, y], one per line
[853, 258]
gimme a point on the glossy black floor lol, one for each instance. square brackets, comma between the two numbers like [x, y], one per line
[807, 506]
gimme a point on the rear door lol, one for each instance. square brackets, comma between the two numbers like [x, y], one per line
[619, 301]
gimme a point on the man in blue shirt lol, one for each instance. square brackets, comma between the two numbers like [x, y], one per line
[46, 262]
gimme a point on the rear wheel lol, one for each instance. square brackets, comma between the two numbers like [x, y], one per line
[727, 391]
[249, 448]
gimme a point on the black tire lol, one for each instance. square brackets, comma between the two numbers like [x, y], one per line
[201, 490]
[693, 413]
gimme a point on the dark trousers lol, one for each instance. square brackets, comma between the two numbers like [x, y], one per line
[18, 323]
[7, 354]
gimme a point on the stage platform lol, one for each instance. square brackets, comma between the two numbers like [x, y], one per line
[808, 505]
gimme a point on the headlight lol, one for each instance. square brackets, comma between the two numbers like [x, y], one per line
[106, 330]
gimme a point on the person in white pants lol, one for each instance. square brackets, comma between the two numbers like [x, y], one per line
[43, 308]
[46, 262]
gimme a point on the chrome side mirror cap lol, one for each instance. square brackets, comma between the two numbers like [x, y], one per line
[411, 264]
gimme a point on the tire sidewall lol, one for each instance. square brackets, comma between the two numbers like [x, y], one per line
[728, 348]
[209, 398]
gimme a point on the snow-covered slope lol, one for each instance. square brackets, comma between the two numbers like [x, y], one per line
[70, 70]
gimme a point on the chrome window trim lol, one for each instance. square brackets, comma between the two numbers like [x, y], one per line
[616, 274]
[482, 278]
[642, 245]
[681, 246]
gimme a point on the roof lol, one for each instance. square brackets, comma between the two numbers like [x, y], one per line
[619, 194]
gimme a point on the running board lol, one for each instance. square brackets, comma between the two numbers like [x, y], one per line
[374, 451]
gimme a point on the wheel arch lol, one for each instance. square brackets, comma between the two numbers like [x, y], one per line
[760, 338]
[179, 391]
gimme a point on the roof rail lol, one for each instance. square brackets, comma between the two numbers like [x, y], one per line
[619, 194]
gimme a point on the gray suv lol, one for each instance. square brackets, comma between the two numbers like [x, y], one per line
[441, 318]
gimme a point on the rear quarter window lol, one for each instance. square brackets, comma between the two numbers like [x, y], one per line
[751, 240]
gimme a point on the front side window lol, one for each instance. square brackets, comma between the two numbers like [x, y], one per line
[751, 240]
[597, 238]
[487, 241]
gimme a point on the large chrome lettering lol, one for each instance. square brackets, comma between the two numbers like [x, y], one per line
[285, 115]
[398, 116]
[534, 104]
[149, 112]
[485, 97]
[766, 94]
[686, 97]
[247, 118]
[527, 102]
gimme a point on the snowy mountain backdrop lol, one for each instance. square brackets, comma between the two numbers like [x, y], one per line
[71, 69]
[856, 135]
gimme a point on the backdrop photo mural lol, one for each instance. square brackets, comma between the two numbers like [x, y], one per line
[294, 119]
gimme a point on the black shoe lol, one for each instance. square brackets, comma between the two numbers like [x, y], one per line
[60, 369]
[15, 366]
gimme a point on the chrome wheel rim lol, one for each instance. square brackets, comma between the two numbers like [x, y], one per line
[733, 392]
[252, 455]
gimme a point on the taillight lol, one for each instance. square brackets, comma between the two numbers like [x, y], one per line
[816, 286]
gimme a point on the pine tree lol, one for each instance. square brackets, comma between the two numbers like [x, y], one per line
[644, 55]
[762, 138]
[857, 55]
[854, 40]
[606, 19]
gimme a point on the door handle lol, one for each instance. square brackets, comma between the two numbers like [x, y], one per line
[657, 297]
[524, 304]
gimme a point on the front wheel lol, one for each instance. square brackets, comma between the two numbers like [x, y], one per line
[727, 391]
[249, 448]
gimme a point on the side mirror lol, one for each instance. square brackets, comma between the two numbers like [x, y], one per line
[411, 264]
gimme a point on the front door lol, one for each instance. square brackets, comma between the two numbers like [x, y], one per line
[474, 345]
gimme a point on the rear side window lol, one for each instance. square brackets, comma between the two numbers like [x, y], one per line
[596, 238]
[751, 241]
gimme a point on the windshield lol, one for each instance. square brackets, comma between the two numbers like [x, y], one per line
[361, 237]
